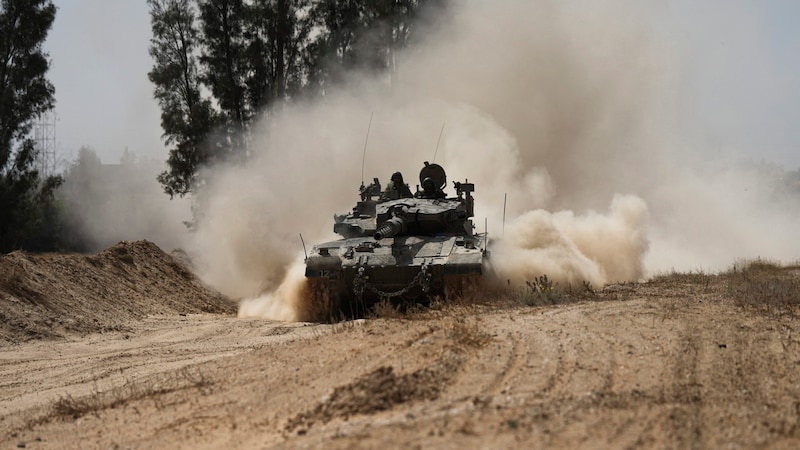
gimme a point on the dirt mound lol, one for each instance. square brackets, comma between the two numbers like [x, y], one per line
[380, 390]
[57, 295]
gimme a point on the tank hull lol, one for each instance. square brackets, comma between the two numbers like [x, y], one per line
[349, 276]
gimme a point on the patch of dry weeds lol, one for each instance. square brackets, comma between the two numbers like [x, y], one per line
[765, 286]
[69, 407]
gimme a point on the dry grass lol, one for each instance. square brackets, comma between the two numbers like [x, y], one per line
[466, 333]
[69, 407]
[384, 309]
[346, 326]
[698, 277]
[543, 291]
[765, 287]
[758, 265]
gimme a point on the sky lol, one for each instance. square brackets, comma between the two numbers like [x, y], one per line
[737, 61]
[742, 75]
[99, 55]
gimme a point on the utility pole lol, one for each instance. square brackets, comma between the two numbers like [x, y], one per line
[44, 138]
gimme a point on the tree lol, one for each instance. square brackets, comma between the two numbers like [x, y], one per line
[25, 93]
[251, 55]
[245, 54]
[340, 22]
[278, 35]
[362, 35]
[392, 23]
[223, 70]
[78, 196]
[186, 117]
[222, 56]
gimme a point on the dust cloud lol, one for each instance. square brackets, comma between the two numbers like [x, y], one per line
[109, 203]
[568, 108]
[285, 302]
[595, 248]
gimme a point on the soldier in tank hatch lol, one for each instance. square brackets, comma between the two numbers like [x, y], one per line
[397, 184]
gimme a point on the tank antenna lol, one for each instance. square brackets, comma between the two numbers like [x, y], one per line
[437, 143]
[364, 156]
[485, 233]
[304, 245]
[505, 198]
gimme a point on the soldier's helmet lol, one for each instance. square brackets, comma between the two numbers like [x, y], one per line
[427, 185]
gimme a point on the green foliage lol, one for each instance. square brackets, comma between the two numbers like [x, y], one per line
[220, 64]
[276, 38]
[26, 202]
[363, 35]
[222, 58]
[78, 190]
[186, 117]
[249, 58]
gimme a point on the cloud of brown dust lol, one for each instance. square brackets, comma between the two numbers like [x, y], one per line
[108, 203]
[567, 109]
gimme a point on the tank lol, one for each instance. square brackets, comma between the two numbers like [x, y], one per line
[398, 247]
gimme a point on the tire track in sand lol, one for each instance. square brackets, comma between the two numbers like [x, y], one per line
[516, 358]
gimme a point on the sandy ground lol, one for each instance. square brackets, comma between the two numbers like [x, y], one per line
[678, 362]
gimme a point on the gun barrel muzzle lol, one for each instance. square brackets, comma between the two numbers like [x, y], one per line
[390, 228]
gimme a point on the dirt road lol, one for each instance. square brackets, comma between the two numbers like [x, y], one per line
[674, 363]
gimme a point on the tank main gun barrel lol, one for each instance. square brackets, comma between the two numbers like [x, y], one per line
[390, 228]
